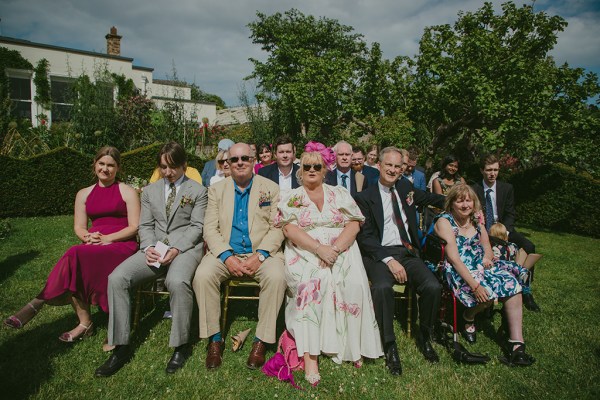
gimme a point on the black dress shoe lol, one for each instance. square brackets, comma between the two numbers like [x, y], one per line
[392, 360]
[119, 357]
[179, 357]
[429, 352]
[530, 303]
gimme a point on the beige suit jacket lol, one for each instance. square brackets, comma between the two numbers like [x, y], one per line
[262, 208]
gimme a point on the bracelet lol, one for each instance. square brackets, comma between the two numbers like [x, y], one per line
[477, 287]
[317, 248]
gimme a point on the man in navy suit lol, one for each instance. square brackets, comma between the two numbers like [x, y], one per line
[283, 170]
[413, 174]
[390, 247]
[358, 165]
[498, 202]
[343, 175]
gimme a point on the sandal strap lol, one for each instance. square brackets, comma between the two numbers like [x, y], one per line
[35, 310]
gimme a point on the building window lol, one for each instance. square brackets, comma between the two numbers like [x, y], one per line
[62, 93]
[20, 96]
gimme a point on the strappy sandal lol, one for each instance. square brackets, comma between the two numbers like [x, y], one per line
[516, 356]
[68, 338]
[313, 379]
[16, 323]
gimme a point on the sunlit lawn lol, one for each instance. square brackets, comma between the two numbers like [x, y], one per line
[564, 338]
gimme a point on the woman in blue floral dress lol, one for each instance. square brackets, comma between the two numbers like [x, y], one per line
[471, 273]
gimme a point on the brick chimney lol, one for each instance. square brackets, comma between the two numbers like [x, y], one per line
[113, 42]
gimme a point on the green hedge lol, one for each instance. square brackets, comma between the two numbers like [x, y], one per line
[46, 184]
[558, 198]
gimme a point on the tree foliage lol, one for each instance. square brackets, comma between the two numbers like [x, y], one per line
[200, 95]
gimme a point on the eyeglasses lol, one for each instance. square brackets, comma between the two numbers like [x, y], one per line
[307, 167]
[233, 160]
[221, 162]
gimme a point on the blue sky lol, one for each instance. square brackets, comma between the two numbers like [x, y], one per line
[208, 40]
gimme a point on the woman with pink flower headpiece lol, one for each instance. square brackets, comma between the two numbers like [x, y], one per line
[330, 310]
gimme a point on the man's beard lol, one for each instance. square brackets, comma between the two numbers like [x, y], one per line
[357, 167]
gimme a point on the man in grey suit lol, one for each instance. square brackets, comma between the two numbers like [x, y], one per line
[172, 213]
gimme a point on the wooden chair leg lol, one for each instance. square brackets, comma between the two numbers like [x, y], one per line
[409, 313]
[224, 307]
[138, 304]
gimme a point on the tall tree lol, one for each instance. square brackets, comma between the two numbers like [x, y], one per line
[488, 82]
[309, 75]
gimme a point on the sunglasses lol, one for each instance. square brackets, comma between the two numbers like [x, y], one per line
[221, 162]
[233, 160]
[307, 167]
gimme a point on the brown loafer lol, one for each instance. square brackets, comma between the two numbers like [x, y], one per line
[214, 354]
[256, 359]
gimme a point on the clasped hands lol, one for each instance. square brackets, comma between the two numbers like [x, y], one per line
[95, 238]
[238, 267]
[327, 255]
[153, 256]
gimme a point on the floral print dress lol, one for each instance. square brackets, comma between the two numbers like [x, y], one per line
[497, 280]
[328, 310]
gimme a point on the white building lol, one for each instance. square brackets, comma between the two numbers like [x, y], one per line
[67, 64]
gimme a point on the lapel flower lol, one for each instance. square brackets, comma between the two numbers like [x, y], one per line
[264, 199]
[186, 199]
[409, 198]
[296, 201]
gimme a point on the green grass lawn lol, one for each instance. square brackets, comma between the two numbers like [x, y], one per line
[564, 338]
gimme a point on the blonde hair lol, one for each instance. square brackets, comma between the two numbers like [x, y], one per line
[499, 231]
[219, 156]
[461, 191]
[310, 157]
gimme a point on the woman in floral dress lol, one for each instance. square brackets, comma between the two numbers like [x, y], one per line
[474, 278]
[329, 308]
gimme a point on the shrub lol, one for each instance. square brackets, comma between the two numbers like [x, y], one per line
[559, 198]
[5, 228]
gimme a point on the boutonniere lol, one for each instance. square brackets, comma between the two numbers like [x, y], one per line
[296, 201]
[409, 198]
[185, 199]
[264, 199]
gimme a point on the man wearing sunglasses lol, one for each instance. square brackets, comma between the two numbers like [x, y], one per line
[283, 170]
[343, 175]
[241, 241]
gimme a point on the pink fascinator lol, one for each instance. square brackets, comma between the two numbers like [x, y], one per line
[326, 152]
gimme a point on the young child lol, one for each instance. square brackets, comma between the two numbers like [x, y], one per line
[507, 251]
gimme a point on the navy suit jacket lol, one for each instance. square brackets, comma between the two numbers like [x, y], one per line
[331, 179]
[370, 204]
[272, 172]
[209, 170]
[505, 202]
[372, 174]
[419, 180]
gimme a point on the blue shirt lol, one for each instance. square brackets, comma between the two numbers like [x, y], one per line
[240, 234]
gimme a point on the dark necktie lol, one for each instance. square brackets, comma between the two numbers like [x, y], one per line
[489, 210]
[170, 199]
[398, 217]
[344, 179]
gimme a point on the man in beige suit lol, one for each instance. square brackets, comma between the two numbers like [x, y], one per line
[241, 241]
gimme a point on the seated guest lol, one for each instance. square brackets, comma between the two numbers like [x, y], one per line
[265, 157]
[471, 273]
[343, 174]
[448, 176]
[210, 167]
[498, 202]
[329, 309]
[504, 250]
[190, 172]
[358, 165]
[372, 159]
[414, 175]
[283, 170]
[390, 247]
[223, 170]
[241, 241]
[172, 214]
[80, 276]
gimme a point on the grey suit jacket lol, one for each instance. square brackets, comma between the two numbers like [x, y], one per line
[184, 228]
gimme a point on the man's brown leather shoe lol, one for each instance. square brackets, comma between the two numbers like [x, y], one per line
[256, 359]
[214, 354]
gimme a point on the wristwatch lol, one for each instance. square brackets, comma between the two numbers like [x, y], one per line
[261, 257]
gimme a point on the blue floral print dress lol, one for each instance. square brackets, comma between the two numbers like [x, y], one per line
[497, 280]
[328, 310]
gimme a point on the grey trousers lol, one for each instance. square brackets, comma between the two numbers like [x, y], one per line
[133, 272]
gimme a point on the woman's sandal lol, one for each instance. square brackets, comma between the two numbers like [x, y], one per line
[517, 356]
[15, 323]
[313, 379]
[68, 338]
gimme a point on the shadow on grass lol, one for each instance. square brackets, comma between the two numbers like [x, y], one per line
[26, 368]
[11, 263]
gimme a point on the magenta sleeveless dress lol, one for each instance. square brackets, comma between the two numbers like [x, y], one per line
[83, 270]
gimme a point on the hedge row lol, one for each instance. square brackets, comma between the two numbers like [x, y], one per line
[46, 184]
[556, 197]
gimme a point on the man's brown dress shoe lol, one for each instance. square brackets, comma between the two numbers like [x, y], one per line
[256, 359]
[214, 354]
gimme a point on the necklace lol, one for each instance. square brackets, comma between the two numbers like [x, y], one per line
[465, 225]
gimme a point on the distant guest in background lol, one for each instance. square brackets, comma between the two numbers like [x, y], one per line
[343, 175]
[265, 157]
[414, 175]
[283, 170]
[372, 156]
[223, 170]
[358, 165]
[448, 176]
[210, 168]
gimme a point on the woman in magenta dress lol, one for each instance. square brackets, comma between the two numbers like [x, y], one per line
[80, 277]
